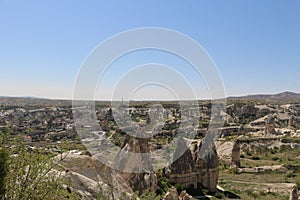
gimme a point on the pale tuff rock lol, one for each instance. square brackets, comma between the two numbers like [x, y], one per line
[264, 169]
[207, 166]
[294, 193]
[229, 152]
[189, 170]
[235, 155]
[134, 164]
[89, 176]
[270, 126]
[172, 194]
[185, 196]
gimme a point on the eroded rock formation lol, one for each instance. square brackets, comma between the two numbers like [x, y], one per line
[235, 156]
[192, 169]
[89, 177]
[172, 194]
[294, 193]
[134, 164]
[270, 126]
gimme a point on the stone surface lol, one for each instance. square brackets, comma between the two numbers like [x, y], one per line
[134, 164]
[191, 169]
[270, 126]
[185, 196]
[264, 169]
[235, 155]
[89, 176]
[171, 194]
[294, 193]
[207, 166]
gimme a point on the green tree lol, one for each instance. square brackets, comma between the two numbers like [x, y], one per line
[32, 175]
[3, 170]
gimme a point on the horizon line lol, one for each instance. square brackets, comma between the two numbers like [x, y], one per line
[137, 100]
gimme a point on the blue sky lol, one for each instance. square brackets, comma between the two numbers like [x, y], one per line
[255, 44]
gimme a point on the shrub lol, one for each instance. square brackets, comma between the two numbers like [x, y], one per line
[298, 182]
[262, 193]
[234, 170]
[159, 191]
[30, 175]
[273, 151]
[146, 195]
[178, 187]
[290, 174]
[248, 153]
[275, 158]
[219, 195]
[255, 158]
[3, 170]
[164, 183]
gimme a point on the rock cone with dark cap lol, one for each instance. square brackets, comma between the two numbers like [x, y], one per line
[207, 166]
[134, 164]
[235, 160]
[184, 163]
[190, 169]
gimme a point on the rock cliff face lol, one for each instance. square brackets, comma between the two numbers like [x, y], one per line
[134, 164]
[241, 111]
[235, 156]
[190, 169]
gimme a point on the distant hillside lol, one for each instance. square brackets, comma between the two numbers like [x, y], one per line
[32, 102]
[281, 98]
[284, 97]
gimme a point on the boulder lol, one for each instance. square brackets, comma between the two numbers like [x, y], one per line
[185, 196]
[171, 194]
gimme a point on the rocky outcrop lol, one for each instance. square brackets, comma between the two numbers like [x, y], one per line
[292, 122]
[242, 110]
[294, 193]
[229, 152]
[90, 177]
[183, 169]
[172, 194]
[190, 169]
[235, 155]
[207, 165]
[270, 126]
[134, 164]
[264, 169]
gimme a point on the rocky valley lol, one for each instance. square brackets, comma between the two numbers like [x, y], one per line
[256, 154]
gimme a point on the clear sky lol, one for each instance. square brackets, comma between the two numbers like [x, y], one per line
[255, 44]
